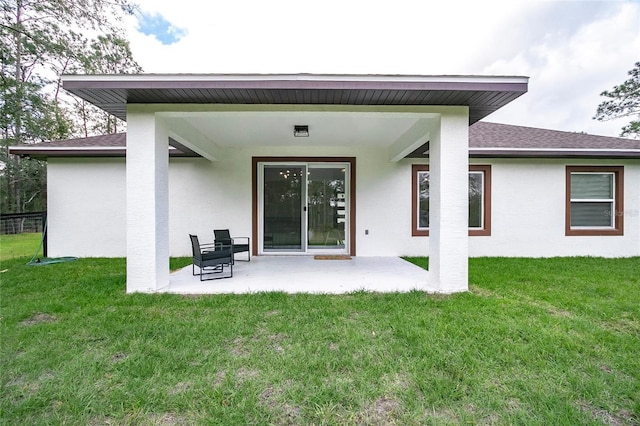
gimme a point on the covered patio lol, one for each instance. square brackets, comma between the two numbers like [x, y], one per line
[243, 129]
[304, 274]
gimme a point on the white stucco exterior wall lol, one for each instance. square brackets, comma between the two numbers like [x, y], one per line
[528, 212]
[87, 215]
[86, 201]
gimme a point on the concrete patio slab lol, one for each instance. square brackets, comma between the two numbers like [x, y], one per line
[304, 274]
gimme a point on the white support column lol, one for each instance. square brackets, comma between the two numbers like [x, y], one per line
[147, 202]
[449, 204]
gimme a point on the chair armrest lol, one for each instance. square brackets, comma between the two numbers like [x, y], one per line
[210, 248]
[237, 238]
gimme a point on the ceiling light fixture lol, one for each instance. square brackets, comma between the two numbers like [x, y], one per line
[301, 131]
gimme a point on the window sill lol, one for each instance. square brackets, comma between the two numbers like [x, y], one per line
[593, 232]
[472, 233]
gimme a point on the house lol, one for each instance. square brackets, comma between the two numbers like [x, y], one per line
[359, 165]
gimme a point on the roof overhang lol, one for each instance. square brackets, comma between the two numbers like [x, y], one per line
[482, 94]
[110, 145]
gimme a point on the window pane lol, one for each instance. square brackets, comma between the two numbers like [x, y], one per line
[476, 189]
[283, 207]
[592, 186]
[591, 214]
[475, 199]
[423, 199]
[327, 205]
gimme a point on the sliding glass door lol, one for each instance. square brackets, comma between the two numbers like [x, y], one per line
[327, 207]
[284, 195]
[304, 207]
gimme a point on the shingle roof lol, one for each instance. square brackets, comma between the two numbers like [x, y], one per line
[488, 140]
[112, 145]
[103, 141]
[491, 140]
[494, 135]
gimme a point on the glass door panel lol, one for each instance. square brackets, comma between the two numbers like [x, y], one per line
[327, 207]
[284, 194]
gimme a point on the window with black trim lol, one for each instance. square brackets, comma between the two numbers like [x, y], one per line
[479, 200]
[594, 200]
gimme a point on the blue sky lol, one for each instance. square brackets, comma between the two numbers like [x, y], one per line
[159, 27]
[571, 50]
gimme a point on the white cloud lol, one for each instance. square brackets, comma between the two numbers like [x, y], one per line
[568, 73]
[571, 50]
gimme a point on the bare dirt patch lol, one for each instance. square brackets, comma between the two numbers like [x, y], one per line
[276, 341]
[620, 418]
[291, 412]
[550, 308]
[624, 325]
[180, 387]
[397, 382]
[247, 373]
[38, 318]
[120, 356]
[239, 348]
[220, 376]
[22, 388]
[481, 291]
[606, 369]
[513, 405]
[381, 412]
[167, 419]
[271, 397]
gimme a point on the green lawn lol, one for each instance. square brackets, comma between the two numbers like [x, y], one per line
[536, 342]
[18, 245]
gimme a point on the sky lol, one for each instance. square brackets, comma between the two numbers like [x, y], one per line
[570, 50]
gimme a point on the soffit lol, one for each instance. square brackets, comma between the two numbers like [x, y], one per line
[112, 93]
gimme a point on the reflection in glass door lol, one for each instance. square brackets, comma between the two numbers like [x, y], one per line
[327, 207]
[305, 208]
[283, 208]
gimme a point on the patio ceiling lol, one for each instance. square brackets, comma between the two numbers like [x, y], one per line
[241, 129]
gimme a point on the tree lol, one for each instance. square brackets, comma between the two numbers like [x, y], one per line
[106, 54]
[26, 115]
[624, 101]
[39, 41]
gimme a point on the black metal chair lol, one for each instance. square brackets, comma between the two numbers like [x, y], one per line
[223, 237]
[211, 260]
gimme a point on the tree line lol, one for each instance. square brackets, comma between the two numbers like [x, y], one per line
[39, 42]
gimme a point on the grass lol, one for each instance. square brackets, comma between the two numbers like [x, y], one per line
[17, 245]
[534, 342]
